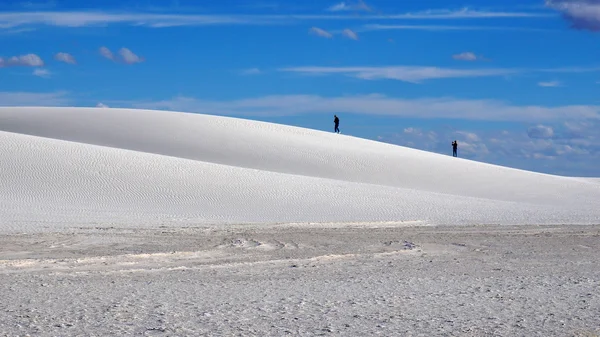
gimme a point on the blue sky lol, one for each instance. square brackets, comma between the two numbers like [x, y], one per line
[515, 82]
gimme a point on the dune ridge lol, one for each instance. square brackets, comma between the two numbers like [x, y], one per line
[73, 166]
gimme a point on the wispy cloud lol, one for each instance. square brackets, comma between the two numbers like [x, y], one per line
[34, 99]
[10, 31]
[350, 34]
[434, 28]
[29, 60]
[582, 14]
[100, 18]
[129, 57]
[37, 5]
[412, 74]
[320, 32]
[540, 131]
[465, 13]
[573, 70]
[126, 56]
[83, 19]
[350, 6]
[418, 74]
[65, 57]
[101, 105]
[425, 108]
[40, 72]
[106, 53]
[532, 148]
[466, 56]
[251, 71]
[551, 84]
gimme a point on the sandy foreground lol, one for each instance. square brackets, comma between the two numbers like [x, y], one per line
[331, 280]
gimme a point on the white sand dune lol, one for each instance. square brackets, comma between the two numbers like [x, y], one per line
[68, 167]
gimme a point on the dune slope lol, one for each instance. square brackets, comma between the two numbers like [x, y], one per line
[76, 166]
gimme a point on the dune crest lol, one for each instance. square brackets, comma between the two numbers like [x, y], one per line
[76, 166]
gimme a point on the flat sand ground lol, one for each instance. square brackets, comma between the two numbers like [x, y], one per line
[331, 280]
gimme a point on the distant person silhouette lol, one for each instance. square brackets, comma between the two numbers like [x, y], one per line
[336, 121]
[454, 148]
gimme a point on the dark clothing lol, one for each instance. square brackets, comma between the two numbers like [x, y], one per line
[336, 121]
[454, 148]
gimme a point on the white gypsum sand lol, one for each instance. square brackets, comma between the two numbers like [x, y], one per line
[298, 280]
[69, 167]
[130, 222]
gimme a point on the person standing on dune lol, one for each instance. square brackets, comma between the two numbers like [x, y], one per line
[454, 148]
[336, 121]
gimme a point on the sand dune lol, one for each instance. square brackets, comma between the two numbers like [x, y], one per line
[65, 167]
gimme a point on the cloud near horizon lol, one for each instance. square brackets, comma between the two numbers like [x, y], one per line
[375, 104]
[19, 98]
[540, 132]
[535, 148]
[576, 117]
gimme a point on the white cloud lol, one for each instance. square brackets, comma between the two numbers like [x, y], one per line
[105, 52]
[412, 130]
[34, 99]
[470, 136]
[101, 105]
[29, 60]
[466, 56]
[320, 32]
[129, 57]
[350, 34]
[342, 6]
[412, 74]
[126, 55]
[378, 27]
[15, 31]
[37, 5]
[540, 131]
[582, 14]
[465, 13]
[65, 57]
[571, 70]
[426, 108]
[75, 19]
[84, 19]
[549, 84]
[41, 73]
[417, 74]
[345, 6]
[251, 71]
[578, 156]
